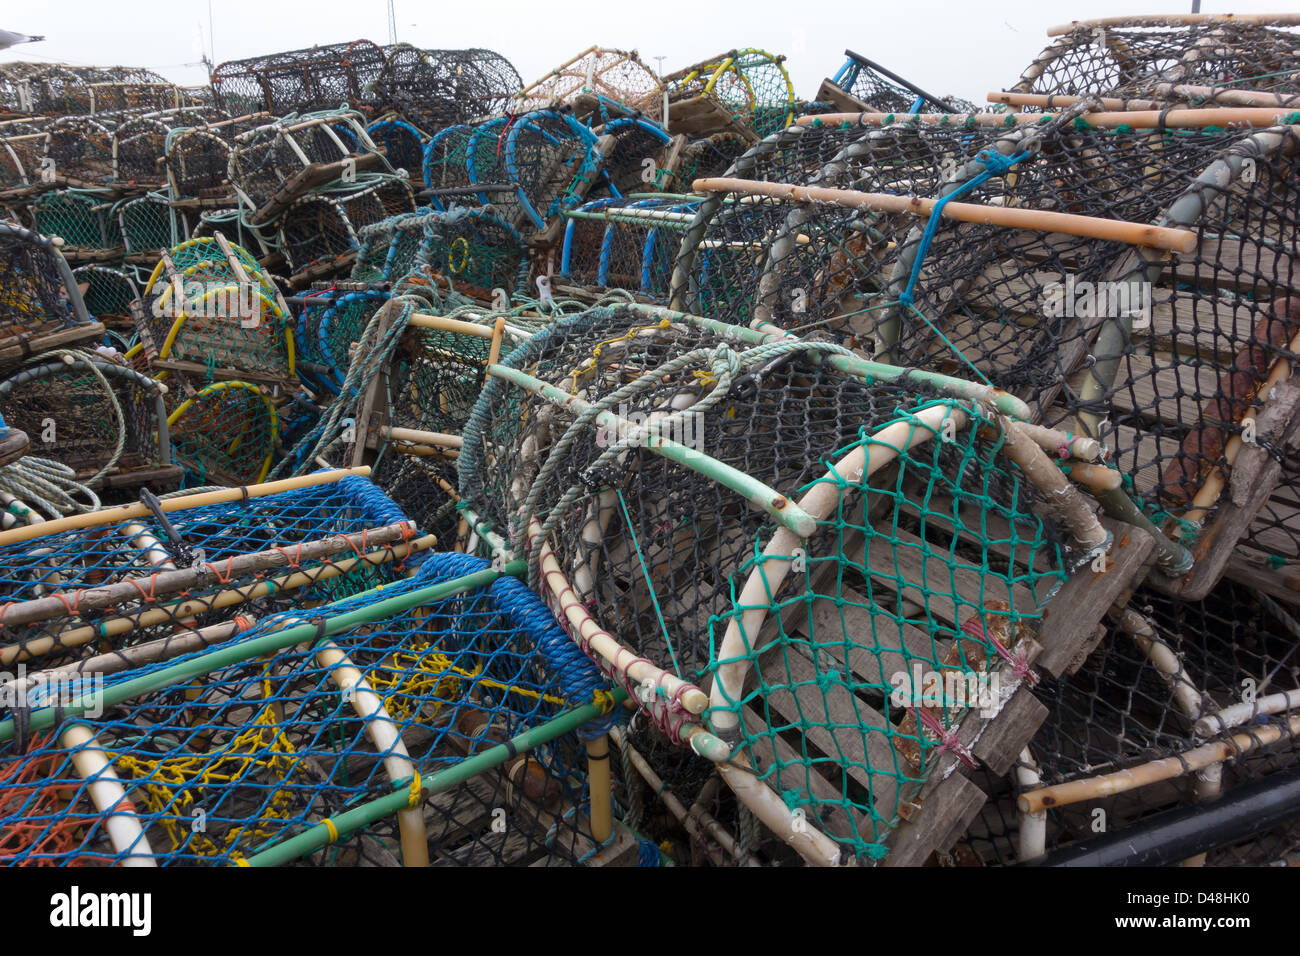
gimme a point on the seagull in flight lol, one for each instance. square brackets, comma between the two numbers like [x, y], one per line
[8, 38]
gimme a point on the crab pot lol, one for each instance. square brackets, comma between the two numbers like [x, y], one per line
[83, 220]
[210, 311]
[278, 154]
[791, 504]
[79, 152]
[198, 157]
[549, 160]
[74, 580]
[402, 143]
[20, 160]
[321, 228]
[599, 85]
[1129, 56]
[643, 157]
[625, 244]
[298, 81]
[148, 227]
[41, 304]
[746, 91]
[49, 90]
[108, 294]
[405, 687]
[474, 252]
[1155, 718]
[862, 84]
[709, 156]
[75, 413]
[1169, 348]
[434, 89]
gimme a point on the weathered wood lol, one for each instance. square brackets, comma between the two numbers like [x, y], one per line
[938, 823]
[44, 341]
[1001, 743]
[307, 179]
[843, 101]
[1255, 474]
[1071, 617]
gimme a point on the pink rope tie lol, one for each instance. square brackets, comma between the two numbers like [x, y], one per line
[1019, 662]
[947, 738]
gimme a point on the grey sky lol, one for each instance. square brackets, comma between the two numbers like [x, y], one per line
[963, 49]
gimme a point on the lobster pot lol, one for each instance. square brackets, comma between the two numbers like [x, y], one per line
[227, 223]
[83, 220]
[861, 84]
[40, 304]
[329, 331]
[269, 157]
[15, 91]
[446, 166]
[625, 244]
[474, 252]
[225, 434]
[340, 536]
[1132, 56]
[708, 156]
[79, 152]
[20, 161]
[748, 91]
[142, 95]
[424, 486]
[434, 89]
[1165, 354]
[795, 618]
[550, 161]
[599, 85]
[403, 690]
[78, 413]
[803, 265]
[198, 157]
[148, 227]
[56, 90]
[402, 143]
[298, 81]
[139, 146]
[641, 159]
[1130, 732]
[208, 310]
[321, 228]
[434, 375]
[387, 248]
[108, 294]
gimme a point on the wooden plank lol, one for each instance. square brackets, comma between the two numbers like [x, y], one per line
[837, 96]
[841, 725]
[939, 823]
[1255, 473]
[913, 565]
[875, 649]
[1002, 742]
[1071, 617]
[308, 178]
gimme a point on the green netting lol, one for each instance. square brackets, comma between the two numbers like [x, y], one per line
[751, 86]
[225, 434]
[924, 563]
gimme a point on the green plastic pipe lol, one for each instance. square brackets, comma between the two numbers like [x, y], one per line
[1006, 403]
[400, 799]
[266, 644]
[780, 507]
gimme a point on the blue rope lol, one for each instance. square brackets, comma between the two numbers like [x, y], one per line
[995, 164]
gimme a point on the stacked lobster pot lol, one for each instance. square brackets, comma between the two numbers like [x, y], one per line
[93, 424]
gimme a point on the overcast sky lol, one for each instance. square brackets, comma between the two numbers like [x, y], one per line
[949, 48]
